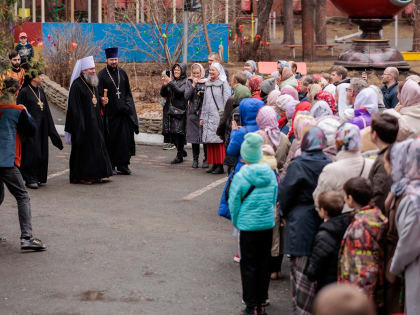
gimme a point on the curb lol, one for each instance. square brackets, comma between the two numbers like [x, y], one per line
[141, 138]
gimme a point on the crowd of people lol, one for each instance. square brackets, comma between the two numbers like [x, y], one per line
[323, 169]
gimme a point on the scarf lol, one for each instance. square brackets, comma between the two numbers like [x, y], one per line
[267, 121]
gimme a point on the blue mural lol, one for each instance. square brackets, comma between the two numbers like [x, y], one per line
[143, 42]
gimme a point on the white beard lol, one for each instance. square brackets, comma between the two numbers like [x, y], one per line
[91, 79]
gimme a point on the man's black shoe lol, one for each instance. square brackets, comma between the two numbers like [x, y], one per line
[32, 244]
[32, 185]
[124, 170]
[211, 169]
[177, 160]
[218, 170]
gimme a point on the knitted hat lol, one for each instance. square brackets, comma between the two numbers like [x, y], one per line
[251, 148]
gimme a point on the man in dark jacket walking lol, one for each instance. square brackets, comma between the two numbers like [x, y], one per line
[390, 88]
[322, 266]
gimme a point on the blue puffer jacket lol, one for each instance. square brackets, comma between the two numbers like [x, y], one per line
[248, 110]
[256, 212]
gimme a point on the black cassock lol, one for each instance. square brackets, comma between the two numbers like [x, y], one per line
[89, 157]
[120, 116]
[34, 163]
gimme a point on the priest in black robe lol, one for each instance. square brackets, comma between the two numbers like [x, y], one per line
[89, 159]
[120, 113]
[34, 163]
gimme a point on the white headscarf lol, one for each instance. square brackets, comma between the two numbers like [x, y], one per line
[343, 103]
[329, 125]
[367, 98]
[219, 68]
[81, 64]
[320, 109]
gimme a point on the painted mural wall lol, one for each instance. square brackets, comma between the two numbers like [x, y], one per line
[134, 41]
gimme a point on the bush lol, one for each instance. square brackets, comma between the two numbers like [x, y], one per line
[65, 46]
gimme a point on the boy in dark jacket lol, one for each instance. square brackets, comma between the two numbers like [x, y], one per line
[25, 50]
[323, 262]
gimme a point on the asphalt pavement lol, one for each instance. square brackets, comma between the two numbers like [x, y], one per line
[134, 245]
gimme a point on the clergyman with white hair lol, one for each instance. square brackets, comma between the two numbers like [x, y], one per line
[89, 159]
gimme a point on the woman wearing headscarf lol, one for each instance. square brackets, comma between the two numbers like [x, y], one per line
[286, 77]
[320, 109]
[303, 123]
[282, 104]
[272, 97]
[215, 97]
[251, 67]
[254, 85]
[231, 112]
[329, 125]
[288, 90]
[365, 105]
[406, 259]
[327, 97]
[342, 102]
[396, 166]
[313, 91]
[410, 107]
[174, 92]
[194, 94]
[349, 164]
[302, 220]
[279, 145]
[303, 106]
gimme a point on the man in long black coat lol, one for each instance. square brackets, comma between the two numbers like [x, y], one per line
[120, 113]
[89, 159]
[34, 163]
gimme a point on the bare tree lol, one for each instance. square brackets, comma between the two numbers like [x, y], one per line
[264, 9]
[204, 23]
[321, 22]
[110, 17]
[416, 34]
[288, 20]
[307, 30]
[154, 40]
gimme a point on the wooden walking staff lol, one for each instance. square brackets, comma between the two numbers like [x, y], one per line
[105, 93]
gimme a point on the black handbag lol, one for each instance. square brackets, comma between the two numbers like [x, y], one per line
[176, 112]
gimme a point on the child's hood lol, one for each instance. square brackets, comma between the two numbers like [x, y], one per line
[259, 175]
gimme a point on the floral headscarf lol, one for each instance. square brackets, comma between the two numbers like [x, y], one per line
[286, 73]
[283, 63]
[313, 140]
[288, 90]
[398, 157]
[254, 84]
[267, 121]
[329, 98]
[272, 97]
[302, 123]
[320, 109]
[283, 100]
[348, 138]
[291, 109]
[313, 91]
[410, 94]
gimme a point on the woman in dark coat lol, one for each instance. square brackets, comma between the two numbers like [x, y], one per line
[34, 164]
[194, 94]
[302, 220]
[173, 89]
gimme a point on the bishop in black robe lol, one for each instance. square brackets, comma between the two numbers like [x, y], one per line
[120, 117]
[89, 159]
[34, 163]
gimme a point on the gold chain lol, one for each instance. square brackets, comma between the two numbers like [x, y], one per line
[40, 103]
[94, 100]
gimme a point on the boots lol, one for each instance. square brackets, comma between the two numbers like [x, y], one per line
[195, 162]
[218, 169]
[211, 169]
[178, 159]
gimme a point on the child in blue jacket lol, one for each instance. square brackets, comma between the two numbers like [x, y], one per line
[252, 200]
